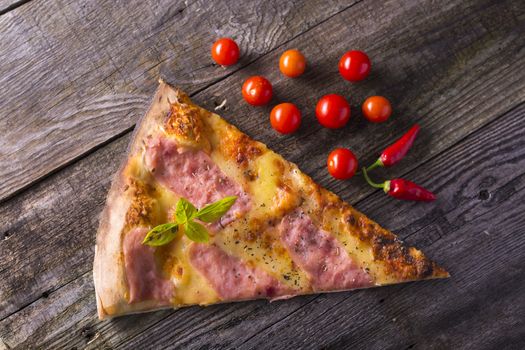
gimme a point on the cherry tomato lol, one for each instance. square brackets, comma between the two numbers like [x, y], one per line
[292, 63]
[225, 52]
[257, 90]
[354, 65]
[342, 163]
[285, 118]
[377, 109]
[332, 111]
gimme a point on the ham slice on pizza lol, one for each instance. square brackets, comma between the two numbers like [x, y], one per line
[283, 236]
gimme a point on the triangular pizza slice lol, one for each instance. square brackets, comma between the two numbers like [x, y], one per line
[284, 236]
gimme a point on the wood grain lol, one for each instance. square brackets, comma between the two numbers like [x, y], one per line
[78, 74]
[49, 231]
[311, 145]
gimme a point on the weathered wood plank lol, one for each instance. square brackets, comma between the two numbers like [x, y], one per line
[445, 133]
[75, 75]
[480, 236]
[39, 233]
[63, 310]
[225, 320]
[48, 233]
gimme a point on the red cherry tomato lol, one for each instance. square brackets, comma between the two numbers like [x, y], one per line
[377, 109]
[354, 65]
[333, 111]
[292, 63]
[225, 52]
[285, 118]
[342, 163]
[257, 90]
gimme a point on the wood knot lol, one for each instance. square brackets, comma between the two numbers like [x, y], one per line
[484, 195]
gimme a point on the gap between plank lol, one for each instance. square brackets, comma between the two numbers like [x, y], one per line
[127, 130]
[48, 292]
[13, 6]
[279, 320]
[68, 163]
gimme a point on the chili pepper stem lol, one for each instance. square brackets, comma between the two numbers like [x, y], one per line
[370, 182]
[377, 163]
[386, 187]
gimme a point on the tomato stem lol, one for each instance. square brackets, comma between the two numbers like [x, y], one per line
[370, 182]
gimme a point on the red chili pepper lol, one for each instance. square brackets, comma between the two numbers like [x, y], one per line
[396, 151]
[402, 189]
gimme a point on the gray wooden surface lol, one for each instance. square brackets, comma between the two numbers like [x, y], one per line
[75, 77]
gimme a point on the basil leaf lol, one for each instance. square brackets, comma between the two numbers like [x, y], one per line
[185, 211]
[196, 232]
[161, 234]
[213, 212]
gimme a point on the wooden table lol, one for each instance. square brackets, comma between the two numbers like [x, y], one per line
[76, 76]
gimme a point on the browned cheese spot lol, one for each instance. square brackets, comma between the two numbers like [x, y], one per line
[240, 148]
[141, 210]
[184, 122]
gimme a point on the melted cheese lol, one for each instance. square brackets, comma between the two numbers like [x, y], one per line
[360, 252]
[190, 286]
[250, 238]
[275, 187]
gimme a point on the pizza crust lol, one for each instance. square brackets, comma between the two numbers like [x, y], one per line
[108, 268]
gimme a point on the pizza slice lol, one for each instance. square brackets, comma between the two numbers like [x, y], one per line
[284, 235]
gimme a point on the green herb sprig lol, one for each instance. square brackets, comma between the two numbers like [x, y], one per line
[185, 214]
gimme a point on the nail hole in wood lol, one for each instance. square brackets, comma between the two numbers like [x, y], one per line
[6, 234]
[381, 301]
[410, 346]
[87, 333]
[484, 195]
[45, 294]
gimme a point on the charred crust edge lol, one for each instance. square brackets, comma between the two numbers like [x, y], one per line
[401, 261]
